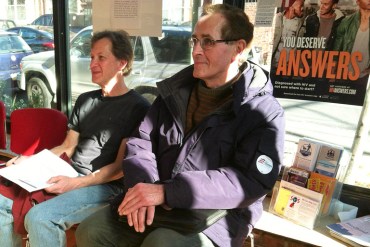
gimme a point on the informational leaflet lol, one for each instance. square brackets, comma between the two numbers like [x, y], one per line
[298, 204]
[33, 173]
[265, 13]
[297, 176]
[324, 185]
[137, 17]
[306, 155]
[328, 160]
[355, 232]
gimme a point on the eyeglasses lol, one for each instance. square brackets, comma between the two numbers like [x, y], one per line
[207, 43]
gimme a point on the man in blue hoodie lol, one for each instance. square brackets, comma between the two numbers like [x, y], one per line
[213, 139]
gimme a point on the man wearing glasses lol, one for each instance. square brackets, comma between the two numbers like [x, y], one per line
[213, 139]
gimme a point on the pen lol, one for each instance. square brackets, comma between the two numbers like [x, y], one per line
[16, 159]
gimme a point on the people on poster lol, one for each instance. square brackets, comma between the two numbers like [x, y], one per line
[353, 37]
[287, 24]
[324, 22]
[323, 25]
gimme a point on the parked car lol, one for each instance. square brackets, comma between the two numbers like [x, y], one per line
[43, 20]
[12, 49]
[38, 40]
[76, 22]
[155, 58]
[5, 24]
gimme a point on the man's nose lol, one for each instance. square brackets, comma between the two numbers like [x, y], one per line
[197, 48]
[93, 62]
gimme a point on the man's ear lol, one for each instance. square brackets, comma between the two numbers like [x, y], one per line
[241, 46]
[123, 63]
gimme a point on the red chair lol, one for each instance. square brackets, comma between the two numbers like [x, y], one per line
[35, 129]
[2, 126]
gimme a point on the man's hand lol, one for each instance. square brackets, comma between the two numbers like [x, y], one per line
[61, 184]
[140, 217]
[141, 195]
[139, 204]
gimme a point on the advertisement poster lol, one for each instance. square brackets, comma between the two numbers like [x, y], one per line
[321, 51]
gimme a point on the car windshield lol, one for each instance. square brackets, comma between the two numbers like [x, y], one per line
[12, 44]
[81, 44]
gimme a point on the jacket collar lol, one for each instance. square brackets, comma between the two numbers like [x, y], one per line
[176, 90]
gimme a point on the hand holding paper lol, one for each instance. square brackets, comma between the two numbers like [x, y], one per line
[33, 173]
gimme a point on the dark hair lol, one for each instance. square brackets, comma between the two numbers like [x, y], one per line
[237, 24]
[121, 46]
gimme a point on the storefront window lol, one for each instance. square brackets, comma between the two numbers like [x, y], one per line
[157, 58]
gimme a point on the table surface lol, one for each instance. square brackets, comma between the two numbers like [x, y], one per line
[318, 236]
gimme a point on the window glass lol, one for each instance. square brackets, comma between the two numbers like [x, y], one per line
[13, 43]
[80, 45]
[26, 35]
[12, 49]
[21, 12]
[15, 94]
[172, 47]
[137, 45]
[45, 20]
[155, 58]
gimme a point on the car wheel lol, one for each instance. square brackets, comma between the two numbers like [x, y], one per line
[38, 94]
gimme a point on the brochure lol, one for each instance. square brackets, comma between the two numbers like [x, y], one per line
[297, 176]
[328, 160]
[306, 156]
[297, 204]
[355, 232]
[324, 185]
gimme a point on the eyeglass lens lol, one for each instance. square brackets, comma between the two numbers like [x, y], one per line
[205, 43]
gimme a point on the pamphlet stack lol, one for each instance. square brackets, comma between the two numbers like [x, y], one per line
[309, 185]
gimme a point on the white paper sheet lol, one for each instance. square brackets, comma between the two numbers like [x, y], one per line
[137, 17]
[33, 173]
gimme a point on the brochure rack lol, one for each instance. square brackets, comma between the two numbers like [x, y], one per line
[309, 186]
